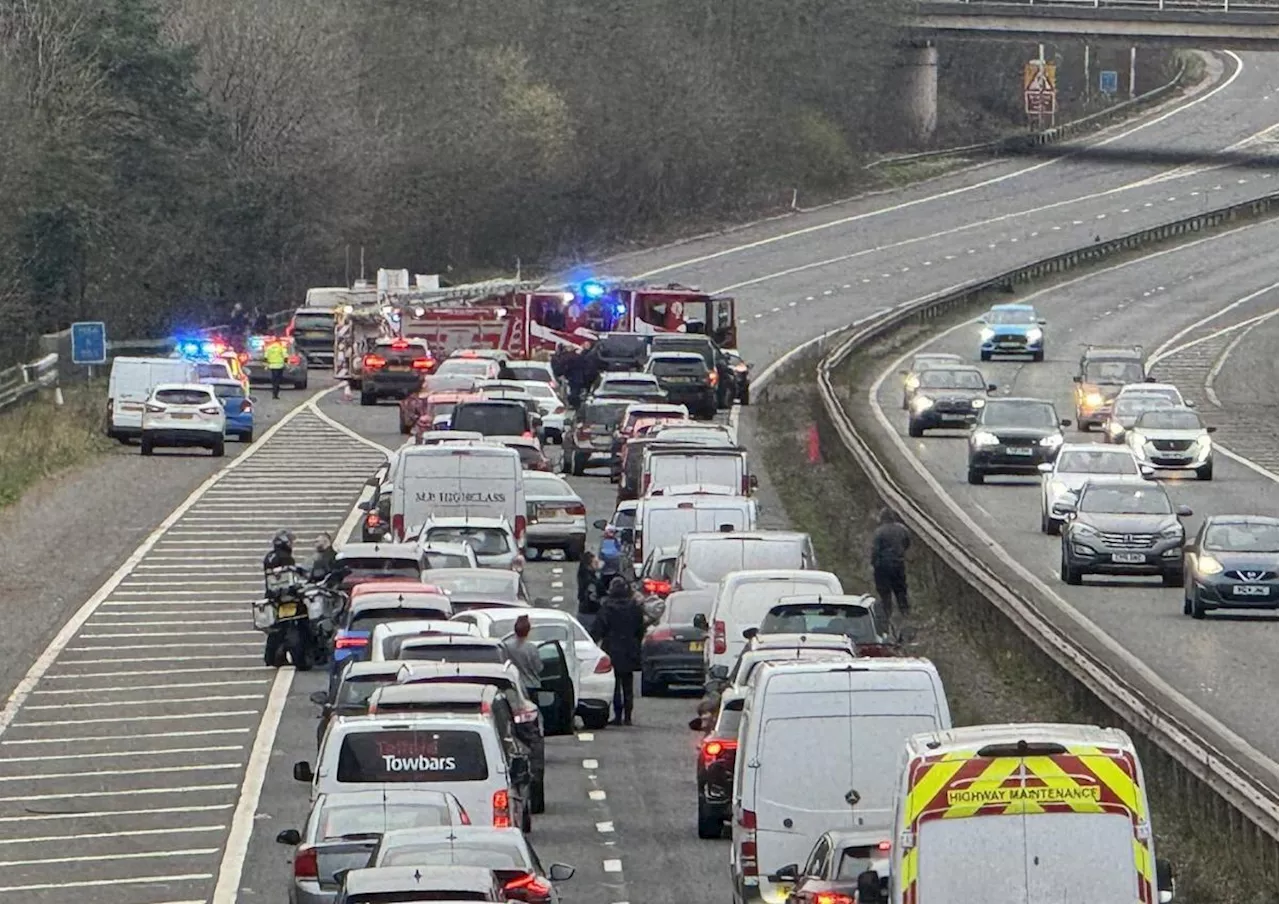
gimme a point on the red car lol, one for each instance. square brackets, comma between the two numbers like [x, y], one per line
[428, 405]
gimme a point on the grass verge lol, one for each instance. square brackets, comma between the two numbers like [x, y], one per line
[989, 673]
[39, 439]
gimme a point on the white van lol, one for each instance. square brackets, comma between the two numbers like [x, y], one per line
[130, 385]
[846, 725]
[744, 598]
[711, 466]
[664, 520]
[458, 753]
[457, 480]
[706, 558]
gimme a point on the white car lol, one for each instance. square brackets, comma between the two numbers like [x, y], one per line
[1072, 469]
[493, 539]
[557, 515]
[1173, 439]
[184, 414]
[591, 669]
[550, 406]
[533, 371]
[448, 555]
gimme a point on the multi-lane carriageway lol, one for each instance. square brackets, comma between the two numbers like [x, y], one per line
[621, 802]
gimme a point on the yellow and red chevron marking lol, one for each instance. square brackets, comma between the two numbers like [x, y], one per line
[960, 784]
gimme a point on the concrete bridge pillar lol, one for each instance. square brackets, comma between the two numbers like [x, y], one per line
[916, 76]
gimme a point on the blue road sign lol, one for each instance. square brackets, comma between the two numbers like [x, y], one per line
[1108, 81]
[89, 343]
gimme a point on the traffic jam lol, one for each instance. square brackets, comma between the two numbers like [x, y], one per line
[446, 681]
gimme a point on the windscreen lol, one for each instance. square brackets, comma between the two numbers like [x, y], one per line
[412, 756]
[1031, 415]
[228, 390]
[368, 619]
[683, 606]
[711, 559]
[373, 566]
[545, 486]
[491, 418]
[630, 387]
[414, 897]
[1113, 373]
[699, 347]
[208, 370]
[952, 379]
[1014, 316]
[309, 321]
[529, 456]
[624, 518]
[437, 407]
[1136, 404]
[357, 689]
[598, 415]
[1045, 857]
[419, 651]
[496, 853]
[1243, 537]
[340, 819]
[183, 396]
[538, 632]
[498, 584]
[856, 622]
[436, 559]
[692, 468]
[530, 373]
[1125, 500]
[1097, 461]
[678, 367]
[616, 346]
[1170, 419]
[486, 541]
[465, 367]
[924, 362]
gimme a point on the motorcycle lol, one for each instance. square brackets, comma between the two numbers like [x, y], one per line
[298, 617]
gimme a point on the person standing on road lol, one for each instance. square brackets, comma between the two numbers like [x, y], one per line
[588, 599]
[619, 629]
[889, 545]
[275, 356]
[524, 654]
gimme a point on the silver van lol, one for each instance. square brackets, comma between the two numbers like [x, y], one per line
[705, 558]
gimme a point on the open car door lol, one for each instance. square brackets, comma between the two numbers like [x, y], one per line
[556, 699]
[722, 327]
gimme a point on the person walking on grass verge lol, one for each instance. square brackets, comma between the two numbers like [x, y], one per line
[619, 629]
[889, 545]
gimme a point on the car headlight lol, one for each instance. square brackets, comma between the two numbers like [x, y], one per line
[1052, 440]
[1208, 565]
[1115, 428]
[1035, 335]
[912, 382]
[979, 403]
[921, 403]
[1203, 441]
[1137, 438]
[1093, 399]
[1172, 532]
[1058, 488]
[983, 438]
[987, 334]
[1088, 530]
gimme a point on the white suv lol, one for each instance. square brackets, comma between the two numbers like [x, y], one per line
[184, 414]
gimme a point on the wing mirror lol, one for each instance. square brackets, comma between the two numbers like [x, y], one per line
[718, 672]
[1184, 511]
[1147, 472]
[302, 772]
[1210, 429]
[991, 387]
[1188, 403]
[560, 872]
[1077, 379]
[1067, 508]
[700, 622]
[749, 633]
[599, 524]
[1064, 423]
[788, 873]
[754, 482]
[1045, 468]
[289, 836]
[319, 698]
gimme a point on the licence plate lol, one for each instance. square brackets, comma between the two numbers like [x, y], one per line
[181, 417]
[398, 368]
[1018, 451]
[286, 610]
[1128, 558]
[1010, 345]
[1251, 590]
[695, 646]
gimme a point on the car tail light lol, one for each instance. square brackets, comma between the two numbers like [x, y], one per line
[305, 863]
[211, 409]
[463, 816]
[423, 363]
[747, 849]
[397, 525]
[527, 435]
[661, 634]
[521, 521]
[722, 645]
[528, 888]
[246, 405]
[833, 897]
[657, 588]
[294, 360]
[713, 378]
[604, 665]
[156, 409]
[350, 643]
[501, 809]
[559, 409]
[373, 362]
[576, 508]
[713, 750]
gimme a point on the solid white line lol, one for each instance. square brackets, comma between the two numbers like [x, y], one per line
[237, 845]
[79, 676]
[1212, 376]
[767, 374]
[1167, 348]
[111, 814]
[126, 688]
[170, 634]
[128, 719]
[604, 827]
[173, 830]
[137, 855]
[96, 704]
[118, 753]
[150, 646]
[126, 792]
[916, 202]
[586, 736]
[152, 659]
[149, 624]
[155, 770]
[132, 880]
[81, 739]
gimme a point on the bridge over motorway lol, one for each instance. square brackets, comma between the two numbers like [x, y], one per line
[1204, 24]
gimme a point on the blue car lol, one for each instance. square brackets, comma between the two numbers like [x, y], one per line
[238, 405]
[1012, 329]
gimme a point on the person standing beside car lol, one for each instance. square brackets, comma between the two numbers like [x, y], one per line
[275, 356]
[889, 545]
[619, 629]
[524, 654]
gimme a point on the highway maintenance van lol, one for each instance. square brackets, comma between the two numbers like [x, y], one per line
[130, 385]
[1035, 812]
[454, 480]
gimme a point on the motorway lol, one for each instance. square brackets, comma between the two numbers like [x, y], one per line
[620, 803]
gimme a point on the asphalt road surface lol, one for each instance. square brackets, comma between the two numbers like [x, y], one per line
[1227, 664]
[620, 802]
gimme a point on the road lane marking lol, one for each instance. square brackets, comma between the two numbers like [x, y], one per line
[195, 717]
[1167, 348]
[112, 814]
[95, 883]
[590, 764]
[111, 754]
[153, 770]
[596, 794]
[129, 737]
[613, 866]
[152, 702]
[131, 792]
[1226, 353]
[586, 736]
[132, 833]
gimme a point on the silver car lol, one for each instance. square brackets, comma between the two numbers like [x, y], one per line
[1125, 412]
[557, 515]
[1075, 465]
[344, 829]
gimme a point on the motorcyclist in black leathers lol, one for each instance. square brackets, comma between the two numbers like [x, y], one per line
[281, 555]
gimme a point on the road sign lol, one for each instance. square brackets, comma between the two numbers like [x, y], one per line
[1040, 87]
[89, 342]
[1108, 81]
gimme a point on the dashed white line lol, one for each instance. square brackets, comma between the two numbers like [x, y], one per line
[590, 764]
[586, 736]
[791, 304]
[596, 794]
[613, 866]
[604, 827]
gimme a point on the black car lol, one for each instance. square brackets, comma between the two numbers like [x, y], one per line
[672, 650]
[590, 433]
[394, 369]
[1014, 436]
[621, 351]
[947, 397]
[1232, 564]
[312, 330]
[716, 757]
[1123, 527]
[494, 417]
[705, 347]
[687, 381]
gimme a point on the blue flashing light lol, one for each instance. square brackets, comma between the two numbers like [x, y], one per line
[256, 343]
[592, 289]
[620, 308]
[191, 349]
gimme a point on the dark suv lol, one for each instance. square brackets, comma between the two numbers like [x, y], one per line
[725, 379]
[622, 351]
[1117, 527]
[947, 397]
[687, 380]
[394, 369]
[1103, 371]
[590, 433]
[1014, 436]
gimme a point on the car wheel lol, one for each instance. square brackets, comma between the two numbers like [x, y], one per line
[596, 721]
[1172, 578]
[976, 477]
[914, 428]
[710, 825]
[1055, 527]
[301, 385]
[147, 448]
[578, 464]
[1069, 574]
[219, 449]
[1197, 607]
[652, 688]
[745, 398]
[984, 356]
[1205, 471]
[246, 437]
[573, 552]
[1037, 356]
[368, 398]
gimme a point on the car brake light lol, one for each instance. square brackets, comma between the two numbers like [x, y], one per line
[657, 588]
[423, 363]
[501, 809]
[603, 665]
[400, 344]
[884, 846]
[397, 525]
[211, 409]
[520, 524]
[576, 508]
[713, 749]
[350, 643]
[527, 434]
[747, 849]
[661, 634]
[155, 409]
[294, 360]
[528, 885]
[305, 863]
[373, 362]
[722, 645]
[713, 378]
[833, 897]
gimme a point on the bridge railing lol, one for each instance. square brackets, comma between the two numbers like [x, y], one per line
[1180, 5]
